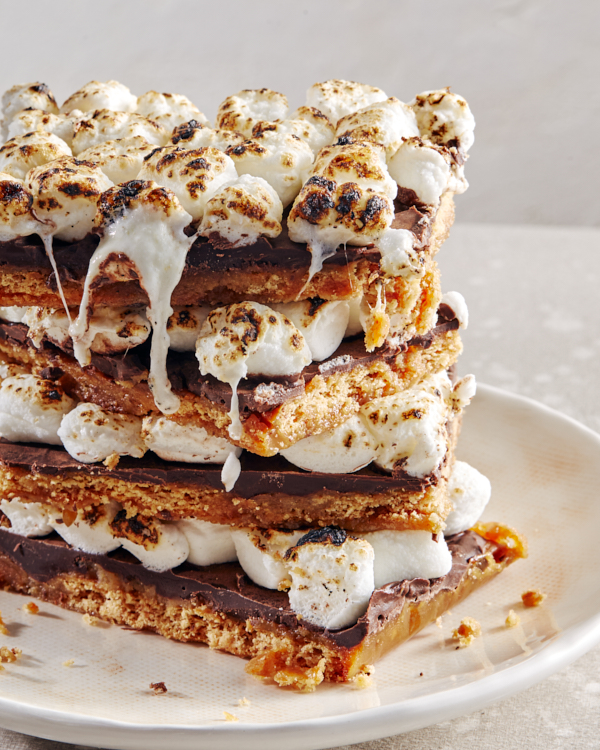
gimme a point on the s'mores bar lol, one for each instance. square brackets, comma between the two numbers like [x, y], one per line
[228, 397]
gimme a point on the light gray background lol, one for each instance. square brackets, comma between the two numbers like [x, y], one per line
[529, 69]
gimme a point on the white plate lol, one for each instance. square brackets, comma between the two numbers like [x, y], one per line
[545, 471]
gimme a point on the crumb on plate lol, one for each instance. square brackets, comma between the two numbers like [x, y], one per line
[533, 598]
[466, 632]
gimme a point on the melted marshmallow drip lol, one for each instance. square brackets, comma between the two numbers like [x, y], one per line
[47, 240]
[231, 471]
[319, 251]
[158, 253]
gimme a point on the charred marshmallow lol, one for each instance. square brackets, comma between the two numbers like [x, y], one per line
[194, 134]
[249, 338]
[332, 577]
[120, 160]
[243, 210]
[27, 519]
[176, 442]
[323, 324]
[105, 125]
[469, 491]
[423, 168]
[283, 160]
[445, 118]
[90, 530]
[337, 98]
[306, 123]
[184, 327]
[210, 543]
[243, 110]
[398, 254]
[193, 175]
[31, 409]
[101, 95]
[261, 554]
[26, 96]
[387, 123]
[158, 546]
[169, 110]
[90, 434]
[34, 149]
[16, 202]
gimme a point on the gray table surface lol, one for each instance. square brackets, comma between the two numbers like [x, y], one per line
[532, 294]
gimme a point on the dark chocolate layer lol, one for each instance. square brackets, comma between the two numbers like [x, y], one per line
[226, 588]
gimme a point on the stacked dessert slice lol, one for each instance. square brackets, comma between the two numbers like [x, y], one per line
[228, 409]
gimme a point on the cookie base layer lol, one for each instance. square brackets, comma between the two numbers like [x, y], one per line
[220, 606]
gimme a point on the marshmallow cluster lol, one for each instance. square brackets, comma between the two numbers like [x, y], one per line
[108, 125]
[388, 123]
[97, 95]
[336, 98]
[168, 110]
[34, 149]
[194, 134]
[121, 160]
[243, 110]
[27, 96]
[306, 123]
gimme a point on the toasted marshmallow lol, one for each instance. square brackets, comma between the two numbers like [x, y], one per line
[194, 134]
[34, 149]
[243, 210]
[90, 531]
[409, 427]
[9, 370]
[194, 176]
[169, 110]
[176, 442]
[284, 161]
[343, 450]
[249, 338]
[16, 202]
[332, 577]
[323, 324]
[27, 519]
[243, 110]
[105, 125]
[158, 546]
[101, 95]
[13, 314]
[463, 392]
[456, 302]
[143, 223]
[116, 329]
[25, 96]
[90, 434]
[404, 555]
[362, 163]
[184, 327]
[387, 123]
[445, 118]
[36, 119]
[336, 98]
[306, 123]
[423, 168]
[120, 160]
[398, 254]
[210, 543]
[261, 554]
[65, 194]
[469, 492]
[31, 409]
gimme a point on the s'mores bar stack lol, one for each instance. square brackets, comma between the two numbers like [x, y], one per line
[228, 406]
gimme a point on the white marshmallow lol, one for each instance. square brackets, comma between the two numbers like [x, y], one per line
[16, 202]
[90, 531]
[194, 134]
[323, 324]
[106, 125]
[65, 194]
[387, 123]
[456, 302]
[194, 176]
[354, 324]
[13, 314]
[184, 327]
[210, 543]
[243, 210]
[336, 98]
[243, 110]
[169, 110]
[9, 370]
[230, 473]
[469, 491]
[90, 434]
[36, 119]
[421, 167]
[159, 546]
[177, 442]
[27, 519]
[306, 123]
[31, 409]
[145, 223]
[25, 95]
[261, 553]
[331, 582]
[409, 426]
[445, 118]
[463, 392]
[398, 254]
[120, 160]
[283, 160]
[34, 149]
[249, 338]
[101, 95]
[343, 450]
[404, 555]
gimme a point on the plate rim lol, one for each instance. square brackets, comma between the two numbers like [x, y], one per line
[311, 734]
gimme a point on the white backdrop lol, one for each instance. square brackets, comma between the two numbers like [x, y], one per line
[529, 68]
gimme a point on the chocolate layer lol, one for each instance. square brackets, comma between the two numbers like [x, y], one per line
[226, 588]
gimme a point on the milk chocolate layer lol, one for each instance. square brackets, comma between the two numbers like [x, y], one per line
[227, 589]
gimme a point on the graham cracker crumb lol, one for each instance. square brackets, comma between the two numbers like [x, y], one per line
[3, 628]
[111, 461]
[466, 632]
[512, 620]
[244, 701]
[284, 585]
[9, 654]
[91, 620]
[438, 622]
[230, 717]
[31, 607]
[159, 688]
[533, 598]
[68, 663]
[364, 678]
[2, 668]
